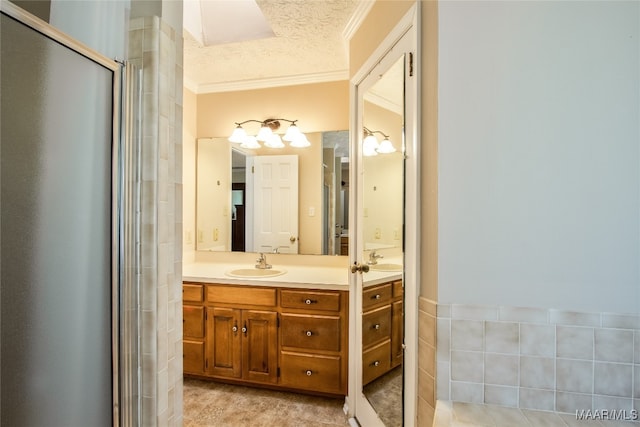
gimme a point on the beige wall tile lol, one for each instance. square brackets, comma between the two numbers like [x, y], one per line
[613, 379]
[467, 366]
[443, 338]
[614, 345]
[467, 335]
[501, 369]
[474, 312]
[501, 395]
[609, 402]
[537, 372]
[537, 340]
[502, 337]
[572, 402]
[531, 398]
[523, 315]
[574, 375]
[466, 392]
[621, 321]
[574, 318]
[574, 342]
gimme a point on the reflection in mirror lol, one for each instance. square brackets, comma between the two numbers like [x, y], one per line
[383, 202]
[238, 206]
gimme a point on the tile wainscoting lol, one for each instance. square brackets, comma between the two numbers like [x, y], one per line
[541, 359]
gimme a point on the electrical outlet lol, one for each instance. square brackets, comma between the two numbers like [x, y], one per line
[215, 235]
[378, 233]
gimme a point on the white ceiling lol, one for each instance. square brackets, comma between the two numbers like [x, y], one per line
[292, 42]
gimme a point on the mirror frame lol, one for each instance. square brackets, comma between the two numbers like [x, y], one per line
[404, 38]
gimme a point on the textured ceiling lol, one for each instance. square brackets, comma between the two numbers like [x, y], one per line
[309, 43]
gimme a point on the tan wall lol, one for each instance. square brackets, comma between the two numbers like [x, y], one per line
[189, 130]
[382, 17]
[429, 151]
[383, 181]
[318, 107]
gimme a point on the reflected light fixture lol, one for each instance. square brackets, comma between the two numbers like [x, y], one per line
[371, 146]
[267, 135]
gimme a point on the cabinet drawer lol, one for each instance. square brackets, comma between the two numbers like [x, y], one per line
[192, 321]
[242, 295]
[193, 356]
[311, 332]
[376, 361]
[398, 289]
[376, 325]
[376, 295]
[310, 300]
[192, 293]
[311, 372]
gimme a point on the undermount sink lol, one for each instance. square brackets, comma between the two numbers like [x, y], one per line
[386, 267]
[254, 272]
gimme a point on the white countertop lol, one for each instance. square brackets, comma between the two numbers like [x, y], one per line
[296, 276]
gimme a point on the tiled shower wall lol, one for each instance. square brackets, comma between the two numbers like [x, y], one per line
[542, 359]
[155, 48]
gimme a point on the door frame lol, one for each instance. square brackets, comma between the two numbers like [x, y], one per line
[407, 32]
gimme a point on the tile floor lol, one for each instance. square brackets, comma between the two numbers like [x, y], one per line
[211, 404]
[458, 414]
[385, 395]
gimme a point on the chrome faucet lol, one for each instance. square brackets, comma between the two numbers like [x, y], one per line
[262, 262]
[373, 258]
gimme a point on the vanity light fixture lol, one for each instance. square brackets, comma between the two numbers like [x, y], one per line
[371, 146]
[267, 135]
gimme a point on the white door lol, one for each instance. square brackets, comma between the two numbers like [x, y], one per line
[275, 198]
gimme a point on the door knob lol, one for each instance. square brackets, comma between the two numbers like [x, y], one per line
[292, 239]
[362, 268]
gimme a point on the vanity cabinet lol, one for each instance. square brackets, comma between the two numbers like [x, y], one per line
[314, 340]
[281, 337]
[382, 329]
[193, 328]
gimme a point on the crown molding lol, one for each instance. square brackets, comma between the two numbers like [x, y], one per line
[357, 18]
[267, 83]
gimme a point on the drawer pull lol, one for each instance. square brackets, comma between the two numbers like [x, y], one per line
[309, 333]
[376, 296]
[376, 363]
[376, 326]
[310, 301]
[235, 329]
[309, 373]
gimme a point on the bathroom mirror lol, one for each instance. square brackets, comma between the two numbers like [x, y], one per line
[384, 253]
[382, 224]
[233, 205]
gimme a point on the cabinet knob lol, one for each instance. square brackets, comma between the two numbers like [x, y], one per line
[234, 329]
[376, 363]
[376, 326]
[309, 373]
[310, 301]
[309, 333]
[376, 296]
[244, 329]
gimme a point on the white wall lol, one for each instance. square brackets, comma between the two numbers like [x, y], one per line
[539, 154]
[102, 24]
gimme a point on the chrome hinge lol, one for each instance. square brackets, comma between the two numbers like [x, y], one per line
[410, 64]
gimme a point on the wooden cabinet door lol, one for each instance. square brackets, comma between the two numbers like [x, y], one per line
[224, 336]
[193, 356]
[397, 333]
[260, 346]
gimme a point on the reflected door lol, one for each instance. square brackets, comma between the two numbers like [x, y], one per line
[276, 204]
